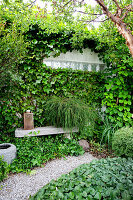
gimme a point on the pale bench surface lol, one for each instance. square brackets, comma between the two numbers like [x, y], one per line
[48, 130]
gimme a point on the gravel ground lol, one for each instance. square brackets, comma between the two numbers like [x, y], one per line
[21, 186]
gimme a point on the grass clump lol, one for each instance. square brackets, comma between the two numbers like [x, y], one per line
[69, 113]
[108, 132]
[122, 143]
[105, 179]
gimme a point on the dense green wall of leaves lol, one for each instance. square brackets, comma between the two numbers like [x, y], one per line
[119, 77]
[39, 84]
[113, 51]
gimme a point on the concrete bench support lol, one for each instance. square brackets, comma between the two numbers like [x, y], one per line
[48, 130]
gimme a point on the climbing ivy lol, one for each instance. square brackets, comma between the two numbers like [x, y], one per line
[39, 84]
[118, 96]
[37, 81]
[112, 50]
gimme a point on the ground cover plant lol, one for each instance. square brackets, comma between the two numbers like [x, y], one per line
[36, 151]
[122, 143]
[105, 179]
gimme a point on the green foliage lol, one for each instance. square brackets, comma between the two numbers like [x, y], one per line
[109, 178]
[35, 151]
[90, 11]
[112, 50]
[92, 131]
[37, 81]
[118, 96]
[42, 82]
[96, 146]
[4, 169]
[108, 131]
[69, 113]
[122, 143]
[34, 81]
[12, 45]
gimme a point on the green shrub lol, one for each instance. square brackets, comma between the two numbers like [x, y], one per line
[122, 142]
[35, 151]
[105, 179]
[4, 169]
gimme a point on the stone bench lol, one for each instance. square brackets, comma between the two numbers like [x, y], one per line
[48, 130]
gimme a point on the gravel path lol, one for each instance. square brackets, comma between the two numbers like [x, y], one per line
[21, 186]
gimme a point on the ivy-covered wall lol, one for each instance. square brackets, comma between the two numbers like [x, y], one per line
[118, 77]
[118, 96]
[37, 82]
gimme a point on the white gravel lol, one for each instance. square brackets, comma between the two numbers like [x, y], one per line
[21, 186]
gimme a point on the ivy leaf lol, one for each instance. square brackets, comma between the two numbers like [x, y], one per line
[34, 92]
[120, 108]
[84, 194]
[118, 82]
[121, 100]
[97, 196]
[34, 41]
[108, 87]
[120, 114]
[38, 81]
[129, 103]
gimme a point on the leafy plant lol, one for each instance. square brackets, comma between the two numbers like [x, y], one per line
[108, 131]
[92, 131]
[118, 96]
[4, 169]
[45, 36]
[107, 179]
[35, 151]
[97, 146]
[122, 143]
